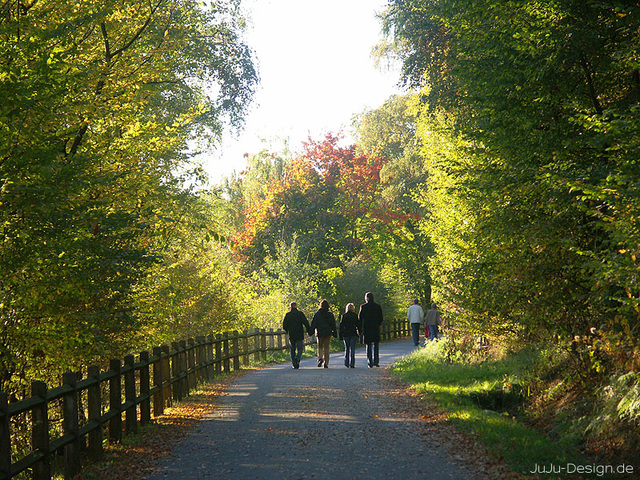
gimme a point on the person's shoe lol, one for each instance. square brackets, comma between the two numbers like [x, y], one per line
[352, 366]
[326, 366]
[320, 362]
[376, 365]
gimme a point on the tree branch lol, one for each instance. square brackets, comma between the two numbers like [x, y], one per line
[592, 90]
[78, 139]
[140, 30]
[107, 48]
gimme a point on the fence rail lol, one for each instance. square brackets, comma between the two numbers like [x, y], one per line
[134, 388]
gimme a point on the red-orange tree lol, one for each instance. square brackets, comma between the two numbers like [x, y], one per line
[325, 200]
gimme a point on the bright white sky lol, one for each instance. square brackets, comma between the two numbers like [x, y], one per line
[316, 71]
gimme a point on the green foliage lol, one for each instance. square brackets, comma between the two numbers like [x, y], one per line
[194, 278]
[628, 407]
[486, 398]
[98, 101]
[528, 126]
[324, 199]
[296, 280]
[306, 228]
[390, 132]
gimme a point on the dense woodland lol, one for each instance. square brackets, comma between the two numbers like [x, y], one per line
[504, 186]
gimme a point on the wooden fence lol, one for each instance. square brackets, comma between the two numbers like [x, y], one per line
[92, 408]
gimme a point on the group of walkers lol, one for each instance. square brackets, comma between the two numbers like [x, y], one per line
[416, 318]
[365, 325]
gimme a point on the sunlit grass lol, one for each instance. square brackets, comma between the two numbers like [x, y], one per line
[486, 398]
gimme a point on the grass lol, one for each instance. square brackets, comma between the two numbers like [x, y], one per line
[486, 399]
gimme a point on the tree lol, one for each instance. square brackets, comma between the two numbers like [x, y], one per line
[540, 105]
[390, 132]
[97, 103]
[324, 192]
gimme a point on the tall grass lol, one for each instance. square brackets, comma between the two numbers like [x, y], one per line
[486, 398]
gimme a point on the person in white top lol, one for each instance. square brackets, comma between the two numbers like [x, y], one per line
[415, 315]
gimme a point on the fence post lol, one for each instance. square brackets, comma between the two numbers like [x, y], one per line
[158, 397]
[225, 352]
[256, 345]
[184, 372]
[263, 344]
[175, 372]
[245, 348]
[272, 339]
[236, 352]
[70, 425]
[115, 402]
[218, 354]
[210, 358]
[191, 364]
[40, 431]
[165, 366]
[5, 438]
[204, 368]
[200, 359]
[131, 417]
[94, 406]
[145, 381]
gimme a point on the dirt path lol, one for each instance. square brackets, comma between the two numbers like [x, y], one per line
[317, 423]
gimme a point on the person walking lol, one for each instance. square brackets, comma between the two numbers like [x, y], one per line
[349, 334]
[432, 321]
[370, 319]
[295, 323]
[324, 326]
[415, 315]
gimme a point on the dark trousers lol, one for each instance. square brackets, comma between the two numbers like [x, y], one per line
[433, 332]
[350, 351]
[415, 329]
[373, 354]
[297, 349]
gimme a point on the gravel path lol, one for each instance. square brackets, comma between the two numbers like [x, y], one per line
[317, 423]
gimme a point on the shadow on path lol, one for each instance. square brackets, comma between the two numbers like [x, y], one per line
[315, 423]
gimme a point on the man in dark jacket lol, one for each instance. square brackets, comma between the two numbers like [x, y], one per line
[324, 326]
[295, 324]
[370, 318]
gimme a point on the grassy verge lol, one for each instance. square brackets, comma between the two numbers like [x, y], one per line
[486, 399]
